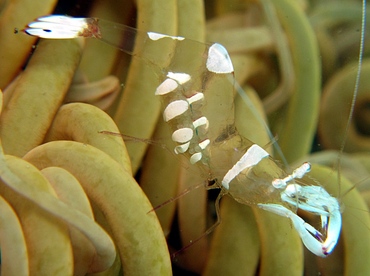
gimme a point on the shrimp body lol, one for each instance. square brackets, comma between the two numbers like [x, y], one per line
[197, 95]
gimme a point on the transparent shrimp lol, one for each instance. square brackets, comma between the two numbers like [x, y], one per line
[206, 132]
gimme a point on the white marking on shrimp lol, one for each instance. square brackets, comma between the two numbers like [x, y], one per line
[63, 27]
[195, 158]
[181, 78]
[182, 148]
[167, 86]
[297, 173]
[157, 36]
[175, 109]
[182, 135]
[218, 60]
[204, 144]
[202, 121]
[196, 97]
[251, 158]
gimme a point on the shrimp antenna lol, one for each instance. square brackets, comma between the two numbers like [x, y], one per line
[186, 191]
[355, 90]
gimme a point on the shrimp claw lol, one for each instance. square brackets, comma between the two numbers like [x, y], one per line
[316, 200]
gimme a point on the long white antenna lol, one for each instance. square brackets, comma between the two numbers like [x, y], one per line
[355, 90]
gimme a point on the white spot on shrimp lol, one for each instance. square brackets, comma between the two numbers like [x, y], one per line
[251, 158]
[182, 148]
[167, 86]
[195, 157]
[175, 109]
[202, 121]
[182, 135]
[204, 144]
[218, 60]
[196, 97]
[181, 78]
[157, 36]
